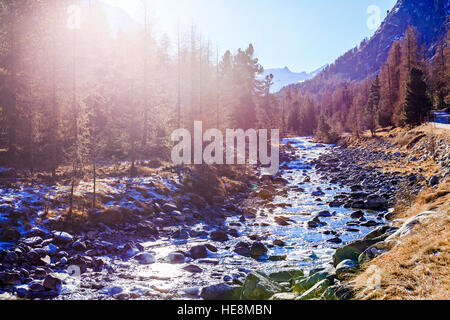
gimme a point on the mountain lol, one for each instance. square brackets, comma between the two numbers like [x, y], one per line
[120, 20]
[284, 77]
[427, 16]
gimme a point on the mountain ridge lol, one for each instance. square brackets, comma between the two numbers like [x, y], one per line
[429, 17]
[284, 76]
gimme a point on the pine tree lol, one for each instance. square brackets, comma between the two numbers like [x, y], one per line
[417, 103]
[372, 106]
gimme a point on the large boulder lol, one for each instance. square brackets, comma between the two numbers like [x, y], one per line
[286, 275]
[220, 291]
[306, 283]
[258, 287]
[53, 282]
[315, 291]
[352, 250]
[258, 249]
[337, 292]
[346, 268]
[382, 232]
[10, 278]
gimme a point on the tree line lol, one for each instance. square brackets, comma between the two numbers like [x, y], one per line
[75, 97]
[402, 93]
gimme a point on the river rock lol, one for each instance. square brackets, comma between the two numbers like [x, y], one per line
[10, 278]
[357, 214]
[176, 258]
[375, 202]
[219, 236]
[39, 273]
[218, 292]
[11, 257]
[32, 241]
[53, 282]
[243, 249]
[198, 252]
[352, 250]
[284, 296]
[193, 269]
[324, 214]
[62, 237]
[145, 258]
[258, 287]
[79, 246]
[286, 275]
[306, 283]
[409, 226]
[258, 249]
[315, 291]
[345, 268]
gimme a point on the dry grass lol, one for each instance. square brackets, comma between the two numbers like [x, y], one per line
[418, 267]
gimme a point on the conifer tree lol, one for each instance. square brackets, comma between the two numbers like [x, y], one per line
[372, 106]
[417, 103]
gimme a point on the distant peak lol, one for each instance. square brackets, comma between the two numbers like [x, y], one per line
[286, 69]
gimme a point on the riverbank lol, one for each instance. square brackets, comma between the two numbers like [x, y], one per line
[413, 263]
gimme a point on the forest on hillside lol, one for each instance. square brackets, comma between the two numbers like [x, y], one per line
[409, 85]
[72, 96]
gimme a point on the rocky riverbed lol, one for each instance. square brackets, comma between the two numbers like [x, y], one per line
[287, 228]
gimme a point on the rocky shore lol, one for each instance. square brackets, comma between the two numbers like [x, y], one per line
[298, 235]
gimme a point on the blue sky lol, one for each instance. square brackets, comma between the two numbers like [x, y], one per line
[300, 34]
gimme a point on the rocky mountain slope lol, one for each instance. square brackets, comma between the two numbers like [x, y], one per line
[429, 17]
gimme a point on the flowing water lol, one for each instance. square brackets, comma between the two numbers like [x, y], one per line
[304, 248]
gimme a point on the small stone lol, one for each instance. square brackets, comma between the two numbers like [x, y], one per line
[40, 273]
[63, 237]
[145, 258]
[33, 241]
[193, 269]
[176, 258]
[335, 240]
[324, 214]
[79, 246]
[53, 282]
